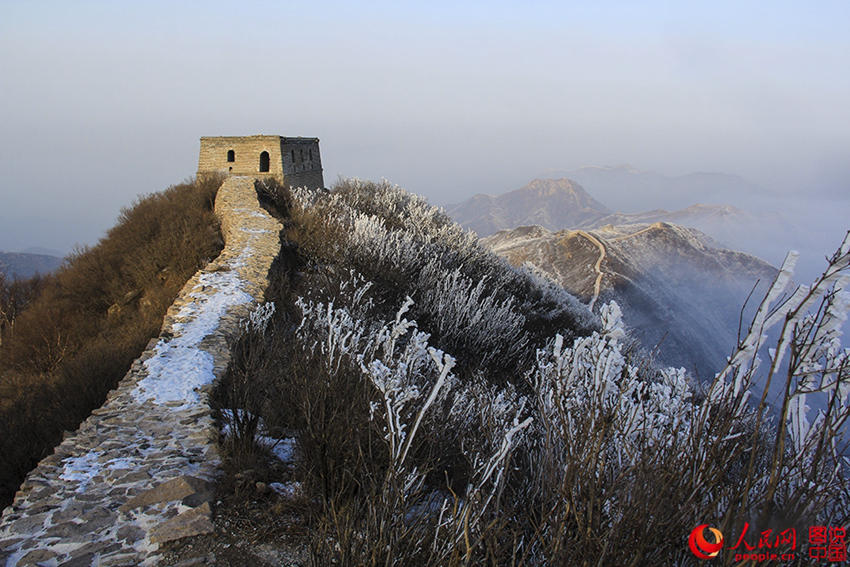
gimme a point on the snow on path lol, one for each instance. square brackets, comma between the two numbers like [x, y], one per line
[100, 498]
[178, 367]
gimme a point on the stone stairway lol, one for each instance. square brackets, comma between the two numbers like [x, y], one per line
[139, 471]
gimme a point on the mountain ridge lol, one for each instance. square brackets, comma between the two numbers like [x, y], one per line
[678, 289]
[25, 265]
[760, 233]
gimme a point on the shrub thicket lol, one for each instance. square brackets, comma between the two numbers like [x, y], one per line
[77, 338]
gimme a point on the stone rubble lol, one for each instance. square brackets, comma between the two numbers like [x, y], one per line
[139, 471]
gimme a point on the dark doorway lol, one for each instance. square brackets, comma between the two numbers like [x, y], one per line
[231, 155]
[264, 161]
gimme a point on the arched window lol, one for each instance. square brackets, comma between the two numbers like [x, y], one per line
[310, 151]
[292, 153]
[264, 161]
[231, 156]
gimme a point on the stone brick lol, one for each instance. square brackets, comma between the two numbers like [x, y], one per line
[171, 490]
[196, 521]
[36, 556]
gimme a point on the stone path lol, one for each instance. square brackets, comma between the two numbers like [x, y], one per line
[138, 472]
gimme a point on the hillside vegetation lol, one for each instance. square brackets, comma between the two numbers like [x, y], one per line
[450, 409]
[68, 338]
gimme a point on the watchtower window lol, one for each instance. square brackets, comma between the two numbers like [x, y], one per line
[292, 153]
[310, 151]
[264, 161]
[231, 156]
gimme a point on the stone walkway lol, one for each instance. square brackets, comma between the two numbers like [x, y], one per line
[138, 472]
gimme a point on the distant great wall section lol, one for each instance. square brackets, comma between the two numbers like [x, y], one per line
[139, 471]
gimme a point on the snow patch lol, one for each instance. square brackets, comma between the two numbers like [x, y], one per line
[286, 489]
[250, 213]
[178, 367]
[283, 449]
[81, 469]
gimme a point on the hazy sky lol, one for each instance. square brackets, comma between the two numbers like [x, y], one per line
[102, 101]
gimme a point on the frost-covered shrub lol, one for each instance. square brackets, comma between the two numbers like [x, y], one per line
[414, 395]
[628, 454]
[474, 303]
[543, 439]
[241, 396]
[638, 414]
[603, 429]
[805, 472]
[546, 299]
[474, 321]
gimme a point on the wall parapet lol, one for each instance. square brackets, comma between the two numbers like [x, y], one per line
[139, 471]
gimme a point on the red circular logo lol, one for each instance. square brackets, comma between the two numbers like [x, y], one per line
[701, 547]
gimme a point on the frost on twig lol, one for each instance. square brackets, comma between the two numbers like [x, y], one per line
[809, 372]
[413, 380]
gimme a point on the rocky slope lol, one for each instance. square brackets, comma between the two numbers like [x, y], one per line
[553, 203]
[730, 226]
[676, 287]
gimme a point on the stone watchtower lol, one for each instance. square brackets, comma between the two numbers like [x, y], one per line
[294, 161]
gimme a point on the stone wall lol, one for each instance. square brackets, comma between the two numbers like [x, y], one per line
[301, 156]
[138, 472]
[294, 160]
[308, 179]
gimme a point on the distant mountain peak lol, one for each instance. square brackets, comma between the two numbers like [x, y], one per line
[551, 203]
[550, 187]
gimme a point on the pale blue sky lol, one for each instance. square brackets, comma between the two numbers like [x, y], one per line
[101, 101]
